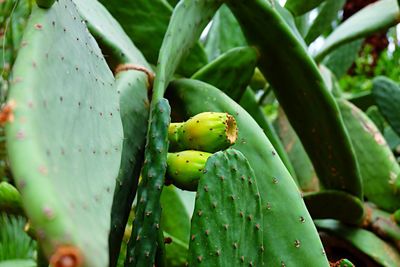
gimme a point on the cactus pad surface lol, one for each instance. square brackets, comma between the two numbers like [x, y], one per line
[227, 221]
[65, 138]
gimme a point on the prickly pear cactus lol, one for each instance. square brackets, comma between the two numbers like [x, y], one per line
[145, 240]
[227, 222]
[207, 131]
[64, 135]
[296, 244]
[184, 168]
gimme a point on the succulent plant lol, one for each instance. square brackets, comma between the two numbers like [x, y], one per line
[88, 90]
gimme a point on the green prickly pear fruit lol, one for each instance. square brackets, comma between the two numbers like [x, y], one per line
[207, 131]
[45, 3]
[173, 135]
[185, 168]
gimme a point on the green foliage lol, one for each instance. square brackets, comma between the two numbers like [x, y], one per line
[154, 17]
[387, 96]
[338, 205]
[231, 72]
[15, 244]
[83, 115]
[301, 91]
[299, 7]
[224, 34]
[363, 241]
[372, 18]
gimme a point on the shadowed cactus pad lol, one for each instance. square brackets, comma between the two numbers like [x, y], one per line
[227, 221]
[207, 131]
[185, 168]
[66, 137]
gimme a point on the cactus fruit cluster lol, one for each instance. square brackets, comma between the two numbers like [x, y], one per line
[131, 134]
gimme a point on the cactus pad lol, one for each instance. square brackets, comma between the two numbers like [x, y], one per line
[65, 139]
[227, 221]
[378, 166]
[386, 93]
[144, 240]
[338, 205]
[185, 168]
[131, 86]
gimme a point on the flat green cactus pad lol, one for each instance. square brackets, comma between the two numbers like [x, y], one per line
[378, 166]
[65, 135]
[386, 93]
[227, 222]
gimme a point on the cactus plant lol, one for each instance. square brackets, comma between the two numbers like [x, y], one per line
[272, 178]
[227, 222]
[85, 129]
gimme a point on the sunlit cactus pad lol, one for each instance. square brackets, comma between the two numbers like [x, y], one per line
[65, 135]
